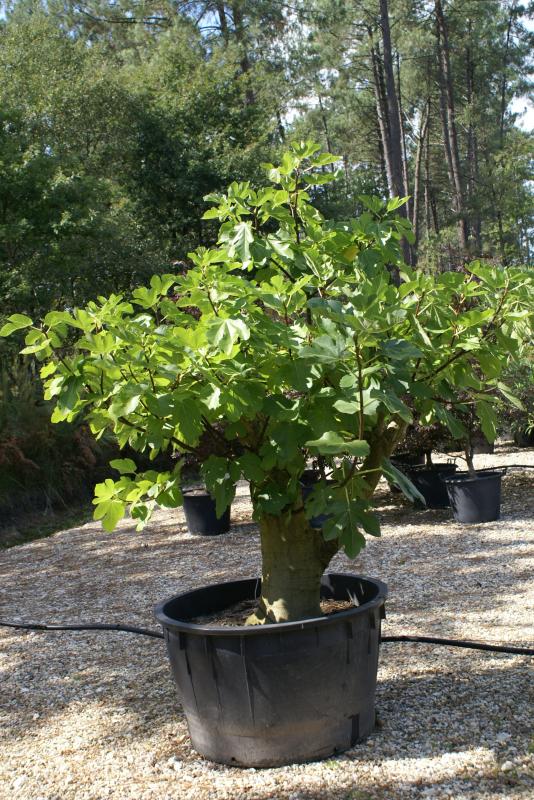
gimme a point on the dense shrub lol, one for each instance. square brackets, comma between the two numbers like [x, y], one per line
[41, 465]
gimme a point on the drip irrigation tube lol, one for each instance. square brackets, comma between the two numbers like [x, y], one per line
[494, 648]
[84, 626]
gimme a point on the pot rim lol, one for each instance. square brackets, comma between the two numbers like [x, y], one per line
[182, 626]
[482, 474]
[437, 467]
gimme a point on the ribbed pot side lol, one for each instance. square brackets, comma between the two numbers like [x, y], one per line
[267, 695]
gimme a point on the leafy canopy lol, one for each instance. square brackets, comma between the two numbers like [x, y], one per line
[299, 346]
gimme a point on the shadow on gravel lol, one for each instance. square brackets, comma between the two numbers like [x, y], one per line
[128, 679]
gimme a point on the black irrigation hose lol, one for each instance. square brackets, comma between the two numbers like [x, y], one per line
[495, 648]
[89, 626]
[513, 466]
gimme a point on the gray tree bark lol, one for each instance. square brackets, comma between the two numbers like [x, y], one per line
[448, 118]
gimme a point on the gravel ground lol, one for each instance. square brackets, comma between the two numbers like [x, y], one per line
[88, 716]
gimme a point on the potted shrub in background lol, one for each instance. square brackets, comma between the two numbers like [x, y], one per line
[518, 420]
[200, 507]
[426, 475]
[303, 349]
[474, 495]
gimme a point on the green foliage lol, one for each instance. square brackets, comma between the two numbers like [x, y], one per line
[105, 155]
[42, 466]
[303, 347]
[516, 415]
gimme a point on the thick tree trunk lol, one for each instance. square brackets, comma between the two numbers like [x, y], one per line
[295, 555]
[448, 116]
[294, 558]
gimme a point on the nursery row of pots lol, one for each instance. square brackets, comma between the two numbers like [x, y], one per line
[472, 498]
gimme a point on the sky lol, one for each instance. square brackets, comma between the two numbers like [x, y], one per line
[525, 107]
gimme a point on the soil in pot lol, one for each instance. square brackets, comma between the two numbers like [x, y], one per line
[475, 499]
[267, 695]
[429, 482]
[200, 514]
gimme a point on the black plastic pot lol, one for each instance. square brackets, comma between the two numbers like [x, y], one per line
[200, 515]
[480, 445]
[524, 438]
[401, 460]
[429, 482]
[475, 499]
[307, 488]
[267, 695]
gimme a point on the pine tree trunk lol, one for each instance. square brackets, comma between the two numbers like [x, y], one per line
[448, 116]
[221, 13]
[504, 79]
[397, 186]
[239, 28]
[381, 112]
[423, 128]
[405, 174]
[472, 146]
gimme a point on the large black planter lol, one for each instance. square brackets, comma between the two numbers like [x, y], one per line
[404, 461]
[475, 499]
[524, 438]
[401, 460]
[428, 480]
[267, 695]
[200, 515]
[480, 445]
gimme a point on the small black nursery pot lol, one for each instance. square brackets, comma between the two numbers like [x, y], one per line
[200, 514]
[475, 499]
[429, 481]
[307, 481]
[405, 461]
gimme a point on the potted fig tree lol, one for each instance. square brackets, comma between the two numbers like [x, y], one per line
[474, 495]
[304, 348]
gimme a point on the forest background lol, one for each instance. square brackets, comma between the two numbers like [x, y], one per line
[117, 117]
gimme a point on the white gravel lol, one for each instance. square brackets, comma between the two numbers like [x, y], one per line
[89, 716]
